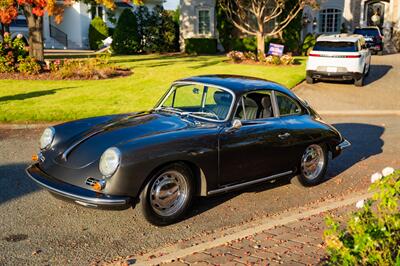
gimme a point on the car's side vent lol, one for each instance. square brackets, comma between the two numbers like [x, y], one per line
[90, 181]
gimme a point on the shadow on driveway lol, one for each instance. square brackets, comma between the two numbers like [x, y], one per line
[14, 183]
[376, 72]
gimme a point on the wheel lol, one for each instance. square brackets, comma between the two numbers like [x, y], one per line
[359, 82]
[309, 80]
[167, 196]
[313, 165]
[379, 53]
[367, 73]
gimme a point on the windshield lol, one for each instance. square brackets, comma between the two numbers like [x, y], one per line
[367, 32]
[335, 46]
[198, 100]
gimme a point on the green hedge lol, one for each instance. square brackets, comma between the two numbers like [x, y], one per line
[98, 31]
[201, 46]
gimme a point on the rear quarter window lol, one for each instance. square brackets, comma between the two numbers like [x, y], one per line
[336, 46]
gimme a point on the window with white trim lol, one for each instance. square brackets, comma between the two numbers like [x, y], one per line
[204, 22]
[329, 20]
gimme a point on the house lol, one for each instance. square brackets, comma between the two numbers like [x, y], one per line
[198, 18]
[73, 32]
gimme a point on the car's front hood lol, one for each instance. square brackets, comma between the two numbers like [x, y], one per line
[87, 146]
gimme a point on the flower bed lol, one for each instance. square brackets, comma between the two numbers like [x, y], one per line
[15, 63]
[238, 57]
[372, 234]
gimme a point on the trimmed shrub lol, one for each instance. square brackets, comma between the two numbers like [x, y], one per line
[248, 44]
[201, 46]
[308, 43]
[126, 39]
[98, 31]
[29, 66]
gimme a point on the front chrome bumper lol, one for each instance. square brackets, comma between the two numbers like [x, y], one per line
[343, 145]
[76, 194]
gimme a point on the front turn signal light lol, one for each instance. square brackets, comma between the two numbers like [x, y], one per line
[35, 158]
[99, 185]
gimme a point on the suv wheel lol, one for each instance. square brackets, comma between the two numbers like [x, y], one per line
[359, 82]
[309, 80]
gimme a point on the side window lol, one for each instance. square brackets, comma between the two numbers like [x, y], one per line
[255, 105]
[287, 105]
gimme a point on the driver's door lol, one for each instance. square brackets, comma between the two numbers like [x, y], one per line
[255, 150]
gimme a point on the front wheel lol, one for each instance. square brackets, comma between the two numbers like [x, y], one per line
[167, 196]
[313, 165]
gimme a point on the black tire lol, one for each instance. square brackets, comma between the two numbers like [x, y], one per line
[152, 213]
[379, 53]
[303, 177]
[309, 80]
[359, 82]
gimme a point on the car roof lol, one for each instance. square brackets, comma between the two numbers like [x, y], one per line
[339, 38]
[238, 84]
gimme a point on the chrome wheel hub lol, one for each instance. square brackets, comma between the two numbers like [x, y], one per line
[168, 193]
[312, 162]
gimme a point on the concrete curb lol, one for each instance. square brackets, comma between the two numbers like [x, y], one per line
[173, 252]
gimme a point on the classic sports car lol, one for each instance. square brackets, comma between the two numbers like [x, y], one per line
[207, 135]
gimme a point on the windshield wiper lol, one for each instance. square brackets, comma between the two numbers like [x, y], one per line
[169, 109]
[209, 114]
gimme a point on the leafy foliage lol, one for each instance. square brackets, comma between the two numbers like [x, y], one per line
[308, 44]
[225, 28]
[201, 46]
[125, 38]
[372, 234]
[29, 65]
[98, 31]
[13, 56]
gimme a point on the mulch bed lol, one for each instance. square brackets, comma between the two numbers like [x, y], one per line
[119, 72]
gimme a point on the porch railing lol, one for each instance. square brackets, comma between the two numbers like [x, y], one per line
[58, 35]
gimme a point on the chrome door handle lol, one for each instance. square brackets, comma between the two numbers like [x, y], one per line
[284, 136]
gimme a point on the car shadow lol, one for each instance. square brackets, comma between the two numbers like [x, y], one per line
[14, 183]
[366, 141]
[376, 72]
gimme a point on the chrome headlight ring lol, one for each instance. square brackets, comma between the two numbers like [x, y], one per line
[110, 161]
[47, 138]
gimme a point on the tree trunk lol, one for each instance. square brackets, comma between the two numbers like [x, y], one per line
[260, 43]
[35, 26]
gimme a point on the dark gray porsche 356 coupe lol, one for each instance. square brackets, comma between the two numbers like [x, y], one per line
[207, 135]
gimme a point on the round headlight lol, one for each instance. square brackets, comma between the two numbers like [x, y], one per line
[110, 161]
[47, 137]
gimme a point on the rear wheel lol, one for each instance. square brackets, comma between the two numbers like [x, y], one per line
[167, 196]
[313, 165]
[309, 79]
[360, 82]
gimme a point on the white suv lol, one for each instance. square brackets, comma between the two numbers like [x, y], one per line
[339, 57]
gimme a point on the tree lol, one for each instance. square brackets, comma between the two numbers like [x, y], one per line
[253, 17]
[126, 39]
[34, 11]
[98, 31]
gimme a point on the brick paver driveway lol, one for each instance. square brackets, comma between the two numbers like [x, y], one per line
[380, 92]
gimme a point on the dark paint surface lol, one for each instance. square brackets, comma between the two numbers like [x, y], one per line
[149, 140]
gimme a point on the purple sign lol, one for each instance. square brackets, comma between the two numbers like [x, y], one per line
[276, 49]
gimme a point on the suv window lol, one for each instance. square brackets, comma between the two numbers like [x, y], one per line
[367, 32]
[336, 46]
[287, 106]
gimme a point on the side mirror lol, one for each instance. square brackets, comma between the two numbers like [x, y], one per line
[236, 124]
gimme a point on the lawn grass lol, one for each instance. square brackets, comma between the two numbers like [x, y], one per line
[34, 101]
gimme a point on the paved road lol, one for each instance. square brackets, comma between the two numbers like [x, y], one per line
[381, 92]
[35, 228]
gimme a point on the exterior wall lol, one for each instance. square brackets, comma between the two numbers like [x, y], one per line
[189, 19]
